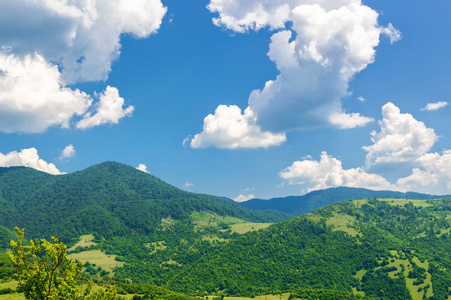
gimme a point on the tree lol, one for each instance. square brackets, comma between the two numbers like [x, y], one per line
[45, 272]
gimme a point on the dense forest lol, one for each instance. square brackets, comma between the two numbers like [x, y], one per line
[109, 199]
[388, 244]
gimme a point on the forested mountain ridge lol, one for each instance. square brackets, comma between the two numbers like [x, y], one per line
[388, 248]
[300, 205]
[109, 199]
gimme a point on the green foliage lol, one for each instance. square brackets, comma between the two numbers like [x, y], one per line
[44, 271]
[322, 294]
[109, 199]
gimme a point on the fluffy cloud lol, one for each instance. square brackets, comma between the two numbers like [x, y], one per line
[327, 43]
[401, 138]
[432, 175]
[188, 184]
[230, 129]
[27, 158]
[142, 167]
[435, 106]
[69, 151]
[109, 110]
[34, 97]
[46, 45]
[83, 37]
[345, 121]
[328, 172]
[242, 198]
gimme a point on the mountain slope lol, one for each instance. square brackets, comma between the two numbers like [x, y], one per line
[389, 248]
[108, 199]
[300, 205]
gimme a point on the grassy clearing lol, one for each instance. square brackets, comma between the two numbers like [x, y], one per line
[398, 261]
[356, 292]
[246, 227]
[85, 241]
[12, 296]
[10, 284]
[99, 258]
[156, 246]
[360, 202]
[343, 223]
[359, 275]
[283, 296]
[402, 202]
[204, 219]
[212, 238]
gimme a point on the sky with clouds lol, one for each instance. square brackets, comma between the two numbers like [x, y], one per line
[237, 98]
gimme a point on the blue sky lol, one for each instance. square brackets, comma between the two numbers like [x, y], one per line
[293, 91]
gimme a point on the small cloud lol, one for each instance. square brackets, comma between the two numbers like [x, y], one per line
[435, 106]
[188, 184]
[346, 121]
[109, 110]
[69, 151]
[401, 138]
[249, 189]
[142, 167]
[242, 198]
[228, 128]
[27, 158]
[329, 172]
[393, 33]
[361, 99]
[187, 141]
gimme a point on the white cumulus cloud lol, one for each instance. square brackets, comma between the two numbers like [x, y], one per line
[326, 44]
[229, 129]
[401, 138]
[83, 37]
[188, 184]
[432, 174]
[27, 158]
[329, 172]
[69, 151]
[48, 44]
[345, 121]
[142, 167]
[109, 110]
[33, 96]
[435, 106]
[242, 198]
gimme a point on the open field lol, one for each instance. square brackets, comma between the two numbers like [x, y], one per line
[85, 241]
[99, 258]
[246, 227]
[342, 222]
[402, 202]
[283, 296]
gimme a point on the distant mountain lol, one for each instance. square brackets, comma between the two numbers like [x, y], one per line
[109, 199]
[300, 205]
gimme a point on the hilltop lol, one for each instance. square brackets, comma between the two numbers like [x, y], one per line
[108, 199]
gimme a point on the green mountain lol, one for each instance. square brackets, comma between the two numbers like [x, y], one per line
[301, 205]
[388, 248]
[109, 199]
[139, 229]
